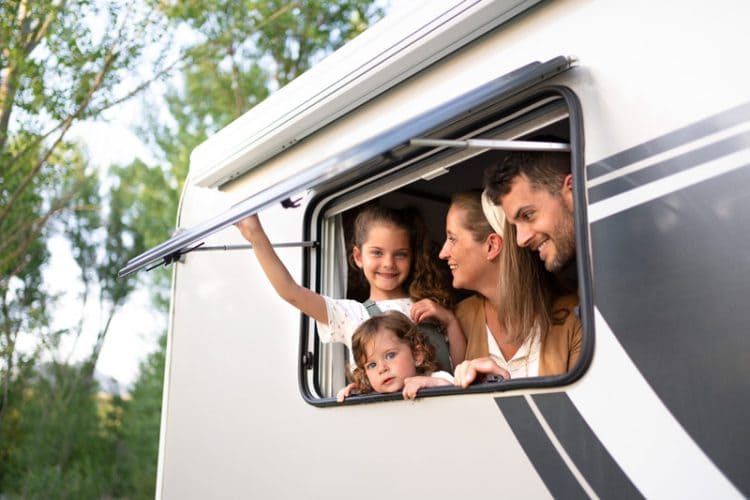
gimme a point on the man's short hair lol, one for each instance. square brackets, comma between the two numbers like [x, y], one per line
[546, 170]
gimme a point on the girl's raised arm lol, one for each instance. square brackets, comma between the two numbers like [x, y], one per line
[305, 300]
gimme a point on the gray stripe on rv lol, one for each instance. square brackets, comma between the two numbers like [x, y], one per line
[702, 128]
[546, 460]
[584, 448]
[687, 252]
[669, 167]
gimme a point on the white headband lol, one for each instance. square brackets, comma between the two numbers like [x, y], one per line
[494, 213]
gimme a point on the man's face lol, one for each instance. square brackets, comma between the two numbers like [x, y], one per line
[544, 221]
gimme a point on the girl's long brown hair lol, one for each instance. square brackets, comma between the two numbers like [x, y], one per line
[406, 331]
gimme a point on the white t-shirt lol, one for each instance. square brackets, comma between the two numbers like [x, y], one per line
[525, 362]
[345, 315]
[443, 375]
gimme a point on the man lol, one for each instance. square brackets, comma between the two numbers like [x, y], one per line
[535, 191]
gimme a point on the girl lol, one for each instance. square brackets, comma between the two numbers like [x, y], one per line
[391, 249]
[392, 355]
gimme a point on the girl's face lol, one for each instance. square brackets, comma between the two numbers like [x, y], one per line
[385, 259]
[466, 257]
[389, 361]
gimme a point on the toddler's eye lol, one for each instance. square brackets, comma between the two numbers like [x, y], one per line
[370, 366]
[390, 355]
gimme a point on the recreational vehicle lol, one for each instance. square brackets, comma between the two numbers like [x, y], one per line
[653, 99]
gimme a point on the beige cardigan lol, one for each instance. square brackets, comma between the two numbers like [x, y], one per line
[561, 345]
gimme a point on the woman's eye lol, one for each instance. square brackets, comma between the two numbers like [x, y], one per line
[527, 216]
[376, 253]
[401, 255]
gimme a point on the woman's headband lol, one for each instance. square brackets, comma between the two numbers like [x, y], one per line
[494, 213]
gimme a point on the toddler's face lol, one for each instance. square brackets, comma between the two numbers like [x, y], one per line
[389, 362]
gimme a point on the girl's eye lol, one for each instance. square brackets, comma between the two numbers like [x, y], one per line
[370, 366]
[401, 255]
[376, 253]
[390, 355]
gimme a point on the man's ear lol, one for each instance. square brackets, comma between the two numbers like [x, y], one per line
[494, 245]
[357, 254]
[566, 191]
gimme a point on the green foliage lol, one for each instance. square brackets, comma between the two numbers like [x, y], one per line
[140, 427]
[67, 61]
[55, 444]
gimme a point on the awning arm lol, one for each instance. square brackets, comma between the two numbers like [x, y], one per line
[177, 256]
[498, 144]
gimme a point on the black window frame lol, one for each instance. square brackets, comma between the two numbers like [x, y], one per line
[309, 360]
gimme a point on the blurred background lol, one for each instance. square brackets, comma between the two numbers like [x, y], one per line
[101, 103]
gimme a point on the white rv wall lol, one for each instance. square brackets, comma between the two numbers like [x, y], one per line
[236, 425]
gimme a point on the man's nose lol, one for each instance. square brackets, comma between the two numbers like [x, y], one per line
[523, 235]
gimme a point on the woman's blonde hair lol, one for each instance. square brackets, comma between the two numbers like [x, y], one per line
[406, 332]
[523, 283]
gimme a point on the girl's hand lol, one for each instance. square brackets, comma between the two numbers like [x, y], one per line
[429, 309]
[412, 385]
[249, 226]
[344, 393]
[468, 371]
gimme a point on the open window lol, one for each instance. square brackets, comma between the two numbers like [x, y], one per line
[425, 172]
[405, 165]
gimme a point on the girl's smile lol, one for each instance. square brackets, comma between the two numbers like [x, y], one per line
[385, 259]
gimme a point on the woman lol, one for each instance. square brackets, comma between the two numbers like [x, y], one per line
[540, 337]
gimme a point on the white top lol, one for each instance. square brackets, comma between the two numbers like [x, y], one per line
[443, 375]
[525, 362]
[344, 316]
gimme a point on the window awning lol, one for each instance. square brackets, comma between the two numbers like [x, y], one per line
[346, 162]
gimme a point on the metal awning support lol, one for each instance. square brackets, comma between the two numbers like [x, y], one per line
[177, 256]
[344, 163]
[498, 144]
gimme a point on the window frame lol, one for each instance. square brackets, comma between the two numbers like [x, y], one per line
[313, 221]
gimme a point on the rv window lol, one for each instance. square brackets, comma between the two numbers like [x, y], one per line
[425, 177]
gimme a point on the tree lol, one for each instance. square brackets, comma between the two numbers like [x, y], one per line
[64, 61]
[61, 62]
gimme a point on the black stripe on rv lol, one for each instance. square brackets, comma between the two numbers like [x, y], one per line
[692, 132]
[668, 167]
[583, 447]
[541, 452]
[672, 280]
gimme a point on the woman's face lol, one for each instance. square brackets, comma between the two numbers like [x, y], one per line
[466, 257]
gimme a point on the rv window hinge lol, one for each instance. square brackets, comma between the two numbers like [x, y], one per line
[307, 360]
